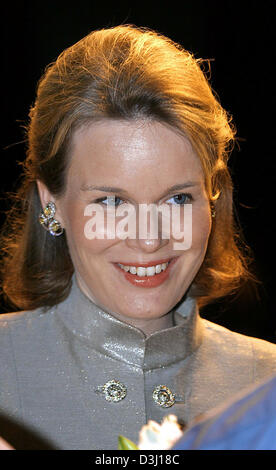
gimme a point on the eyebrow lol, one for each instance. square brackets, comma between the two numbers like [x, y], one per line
[115, 189]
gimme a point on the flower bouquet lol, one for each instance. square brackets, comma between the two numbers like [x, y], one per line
[154, 436]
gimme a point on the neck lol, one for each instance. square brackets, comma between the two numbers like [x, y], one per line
[148, 325]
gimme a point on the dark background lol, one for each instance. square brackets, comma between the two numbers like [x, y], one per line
[239, 37]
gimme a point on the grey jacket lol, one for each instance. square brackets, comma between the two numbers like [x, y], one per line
[57, 369]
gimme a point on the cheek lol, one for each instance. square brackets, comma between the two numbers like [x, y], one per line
[201, 229]
[81, 235]
[193, 225]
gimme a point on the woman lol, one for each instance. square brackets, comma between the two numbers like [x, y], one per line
[110, 333]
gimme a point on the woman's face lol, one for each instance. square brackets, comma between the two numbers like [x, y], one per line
[133, 163]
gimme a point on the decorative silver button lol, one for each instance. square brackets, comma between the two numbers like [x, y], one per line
[163, 396]
[113, 390]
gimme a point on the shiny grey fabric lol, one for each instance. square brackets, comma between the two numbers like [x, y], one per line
[52, 364]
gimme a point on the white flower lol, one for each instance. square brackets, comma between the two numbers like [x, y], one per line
[160, 436]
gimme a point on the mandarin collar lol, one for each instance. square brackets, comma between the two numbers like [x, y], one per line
[114, 338]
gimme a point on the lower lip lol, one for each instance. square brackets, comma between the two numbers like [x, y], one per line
[148, 281]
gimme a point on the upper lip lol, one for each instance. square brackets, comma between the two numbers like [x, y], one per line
[146, 264]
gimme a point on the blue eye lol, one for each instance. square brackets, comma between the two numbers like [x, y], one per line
[180, 199]
[109, 201]
[114, 201]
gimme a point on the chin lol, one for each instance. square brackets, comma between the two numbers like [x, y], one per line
[145, 310]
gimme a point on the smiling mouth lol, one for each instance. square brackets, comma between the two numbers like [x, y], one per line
[151, 274]
[143, 271]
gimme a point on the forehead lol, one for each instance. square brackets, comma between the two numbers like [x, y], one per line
[114, 148]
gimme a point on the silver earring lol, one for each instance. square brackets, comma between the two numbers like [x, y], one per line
[48, 221]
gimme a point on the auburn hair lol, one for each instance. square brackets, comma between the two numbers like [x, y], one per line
[124, 72]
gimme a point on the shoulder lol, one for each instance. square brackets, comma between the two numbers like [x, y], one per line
[21, 335]
[261, 353]
[13, 319]
[6, 318]
[19, 327]
[24, 315]
[220, 333]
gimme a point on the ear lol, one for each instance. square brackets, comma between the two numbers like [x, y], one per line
[45, 197]
[44, 194]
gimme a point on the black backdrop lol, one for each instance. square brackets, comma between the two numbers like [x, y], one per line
[239, 37]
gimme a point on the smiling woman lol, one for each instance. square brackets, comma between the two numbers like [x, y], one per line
[123, 119]
[129, 152]
[128, 74]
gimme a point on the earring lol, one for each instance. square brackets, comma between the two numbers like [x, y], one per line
[213, 210]
[48, 221]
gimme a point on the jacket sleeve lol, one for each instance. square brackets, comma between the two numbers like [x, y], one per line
[264, 355]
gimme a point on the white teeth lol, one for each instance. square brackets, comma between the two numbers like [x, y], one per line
[158, 268]
[151, 271]
[141, 271]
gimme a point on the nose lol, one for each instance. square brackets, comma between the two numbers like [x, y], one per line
[149, 236]
[147, 245]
